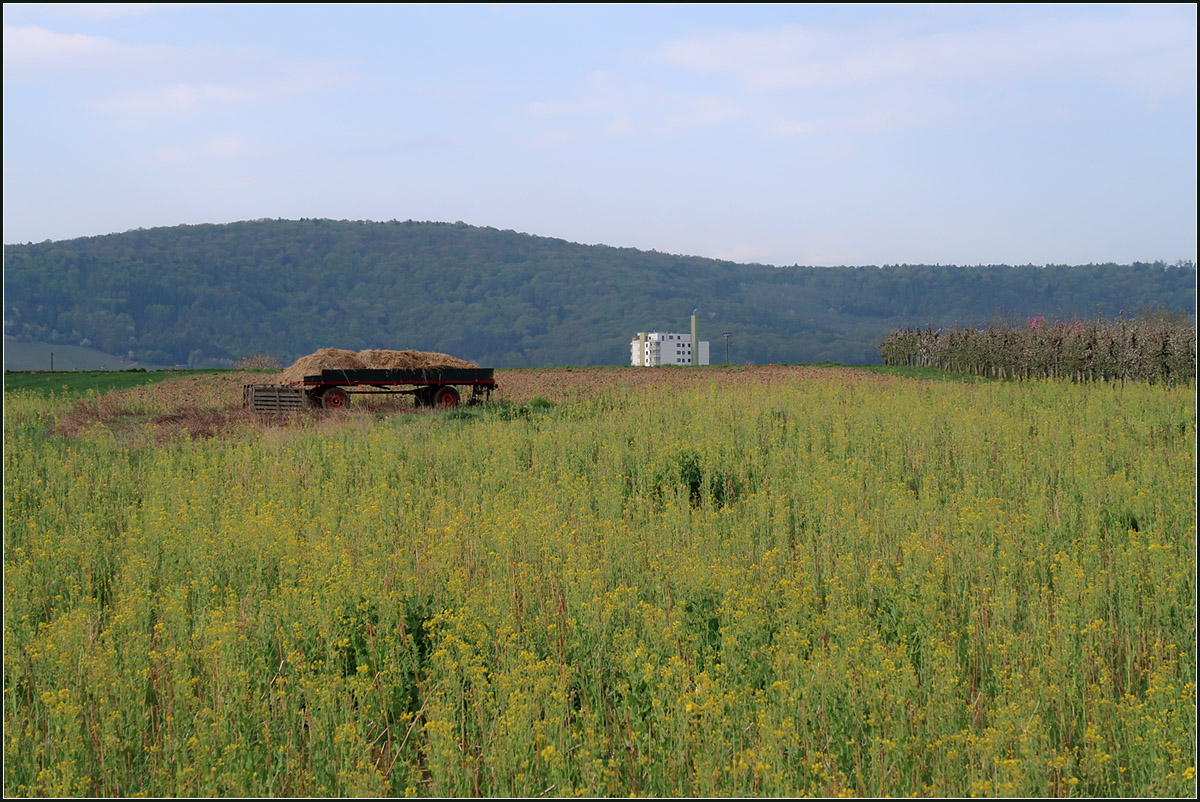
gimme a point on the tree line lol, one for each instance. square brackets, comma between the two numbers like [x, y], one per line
[1153, 348]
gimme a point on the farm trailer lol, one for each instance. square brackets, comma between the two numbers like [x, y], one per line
[331, 389]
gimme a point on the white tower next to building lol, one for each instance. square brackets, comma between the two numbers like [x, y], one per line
[650, 349]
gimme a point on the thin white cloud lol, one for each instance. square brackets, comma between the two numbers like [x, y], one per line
[32, 49]
[621, 108]
[921, 70]
[792, 128]
[94, 11]
[1152, 52]
[172, 99]
[159, 80]
[264, 85]
[603, 93]
[221, 148]
[708, 109]
[620, 126]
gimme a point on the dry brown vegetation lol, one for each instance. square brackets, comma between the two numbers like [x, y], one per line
[210, 405]
[1151, 349]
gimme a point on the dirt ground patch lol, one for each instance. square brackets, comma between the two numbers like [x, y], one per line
[210, 405]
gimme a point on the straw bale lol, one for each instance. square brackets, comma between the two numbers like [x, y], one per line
[411, 360]
[375, 359]
[324, 359]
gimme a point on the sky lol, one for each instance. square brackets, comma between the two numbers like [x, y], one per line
[813, 134]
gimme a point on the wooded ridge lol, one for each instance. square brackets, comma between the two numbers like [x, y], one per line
[204, 295]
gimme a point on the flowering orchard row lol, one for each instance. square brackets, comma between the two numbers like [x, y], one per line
[855, 586]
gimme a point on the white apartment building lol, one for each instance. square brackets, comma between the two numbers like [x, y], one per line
[650, 349]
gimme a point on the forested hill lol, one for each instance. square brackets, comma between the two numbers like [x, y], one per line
[201, 294]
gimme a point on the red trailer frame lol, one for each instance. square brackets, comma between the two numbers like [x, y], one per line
[331, 389]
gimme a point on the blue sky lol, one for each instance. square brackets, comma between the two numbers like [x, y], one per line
[781, 134]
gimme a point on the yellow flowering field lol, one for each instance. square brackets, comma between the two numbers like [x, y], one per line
[824, 584]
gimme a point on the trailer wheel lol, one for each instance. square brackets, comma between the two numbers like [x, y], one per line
[446, 398]
[335, 398]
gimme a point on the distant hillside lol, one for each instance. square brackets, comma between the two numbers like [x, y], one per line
[202, 295]
[43, 356]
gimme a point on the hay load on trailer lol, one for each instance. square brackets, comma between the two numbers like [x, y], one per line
[328, 377]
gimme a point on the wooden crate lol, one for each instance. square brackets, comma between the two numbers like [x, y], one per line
[274, 398]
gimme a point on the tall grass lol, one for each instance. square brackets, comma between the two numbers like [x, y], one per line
[847, 587]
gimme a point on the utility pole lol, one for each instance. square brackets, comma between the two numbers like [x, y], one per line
[726, 336]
